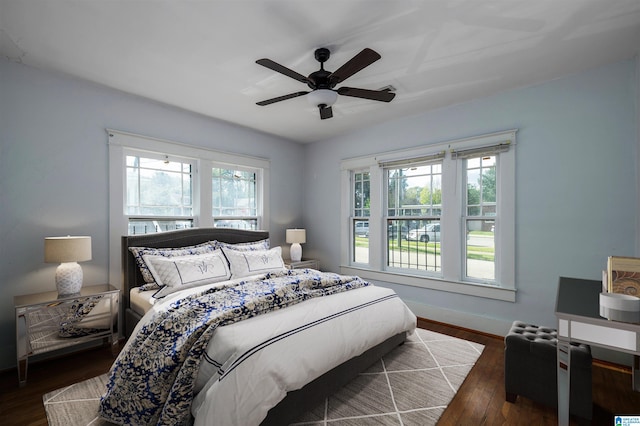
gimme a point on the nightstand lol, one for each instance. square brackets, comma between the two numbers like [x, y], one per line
[304, 263]
[43, 318]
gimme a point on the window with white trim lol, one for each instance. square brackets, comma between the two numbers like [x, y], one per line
[440, 216]
[157, 185]
[479, 217]
[234, 197]
[158, 192]
[414, 207]
[360, 216]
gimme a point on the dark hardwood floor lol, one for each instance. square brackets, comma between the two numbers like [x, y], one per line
[480, 400]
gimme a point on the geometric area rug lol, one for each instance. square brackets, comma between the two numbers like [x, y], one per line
[412, 385]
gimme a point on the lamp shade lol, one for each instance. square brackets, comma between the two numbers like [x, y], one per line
[296, 236]
[67, 249]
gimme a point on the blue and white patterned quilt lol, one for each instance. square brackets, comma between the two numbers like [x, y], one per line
[151, 381]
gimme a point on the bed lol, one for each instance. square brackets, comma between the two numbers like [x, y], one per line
[309, 386]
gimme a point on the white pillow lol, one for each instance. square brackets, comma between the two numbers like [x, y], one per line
[245, 263]
[255, 245]
[180, 272]
[140, 252]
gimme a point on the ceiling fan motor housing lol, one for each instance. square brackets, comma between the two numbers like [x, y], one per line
[320, 80]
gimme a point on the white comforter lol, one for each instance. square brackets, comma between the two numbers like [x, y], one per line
[265, 357]
[250, 365]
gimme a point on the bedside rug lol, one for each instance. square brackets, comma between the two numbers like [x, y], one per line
[413, 384]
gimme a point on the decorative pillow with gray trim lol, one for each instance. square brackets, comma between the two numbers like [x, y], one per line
[246, 263]
[181, 272]
[140, 252]
[252, 246]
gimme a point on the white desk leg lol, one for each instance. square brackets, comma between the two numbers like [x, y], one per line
[564, 382]
[635, 371]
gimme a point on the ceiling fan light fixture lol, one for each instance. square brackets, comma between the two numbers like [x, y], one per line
[322, 97]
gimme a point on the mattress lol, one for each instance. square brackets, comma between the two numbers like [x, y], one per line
[141, 302]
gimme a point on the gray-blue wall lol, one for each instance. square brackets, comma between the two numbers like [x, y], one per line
[54, 172]
[576, 171]
[576, 180]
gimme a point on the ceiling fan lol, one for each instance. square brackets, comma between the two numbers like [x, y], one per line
[323, 82]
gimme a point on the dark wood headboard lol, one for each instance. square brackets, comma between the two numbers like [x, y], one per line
[172, 239]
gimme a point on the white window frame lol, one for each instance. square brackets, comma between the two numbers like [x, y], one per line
[353, 218]
[123, 143]
[432, 159]
[452, 199]
[158, 156]
[258, 194]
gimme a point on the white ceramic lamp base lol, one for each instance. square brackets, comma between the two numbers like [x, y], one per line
[68, 278]
[296, 252]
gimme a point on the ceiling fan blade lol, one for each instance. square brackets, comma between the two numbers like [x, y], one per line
[362, 60]
[281, 98]
[325, 112]
[282, 69]
[374, 95]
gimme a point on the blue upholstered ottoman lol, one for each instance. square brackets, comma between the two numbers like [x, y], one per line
[530, 368]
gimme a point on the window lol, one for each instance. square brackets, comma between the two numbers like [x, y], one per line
[360, 217]
[444, 217]
[157, 185]
[480, 218]
[414, 206]
[158, 193]
[234, 198]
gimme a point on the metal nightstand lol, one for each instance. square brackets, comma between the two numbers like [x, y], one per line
[304, 263]
[40, 316]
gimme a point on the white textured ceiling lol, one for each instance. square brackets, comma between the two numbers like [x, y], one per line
[200, 55]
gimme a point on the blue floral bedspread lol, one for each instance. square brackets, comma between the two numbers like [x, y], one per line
[151, 381]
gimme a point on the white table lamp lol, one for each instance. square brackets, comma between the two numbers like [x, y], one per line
[67, 251]
[295, 237]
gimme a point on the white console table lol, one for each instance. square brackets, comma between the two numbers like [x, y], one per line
[579, 320]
